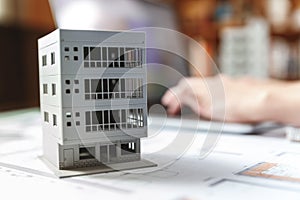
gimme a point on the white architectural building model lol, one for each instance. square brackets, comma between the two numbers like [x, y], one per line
[93, 97]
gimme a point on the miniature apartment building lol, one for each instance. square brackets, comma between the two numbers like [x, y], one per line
[93, 97]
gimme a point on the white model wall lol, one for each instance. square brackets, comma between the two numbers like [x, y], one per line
[68, 74]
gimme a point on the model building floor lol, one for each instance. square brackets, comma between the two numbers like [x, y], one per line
[99, 169]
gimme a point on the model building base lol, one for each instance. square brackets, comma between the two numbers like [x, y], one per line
[98, 169]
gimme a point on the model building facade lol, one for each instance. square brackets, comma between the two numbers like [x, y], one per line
[93, 97]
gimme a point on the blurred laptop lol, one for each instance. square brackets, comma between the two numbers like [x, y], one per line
[136, 14]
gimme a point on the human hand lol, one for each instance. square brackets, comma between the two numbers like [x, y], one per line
[219, 98]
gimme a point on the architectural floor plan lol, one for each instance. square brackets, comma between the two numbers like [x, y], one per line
[177, 176]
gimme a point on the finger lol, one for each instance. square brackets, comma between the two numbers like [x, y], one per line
[193, 102]
[167, 98]
[174, 108]
[171, 101]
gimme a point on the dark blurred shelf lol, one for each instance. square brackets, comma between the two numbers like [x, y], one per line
[287, 34]
[19, 74]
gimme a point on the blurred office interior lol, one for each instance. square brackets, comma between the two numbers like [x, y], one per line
[243, 37]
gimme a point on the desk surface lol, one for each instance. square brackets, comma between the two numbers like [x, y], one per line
[237, 167]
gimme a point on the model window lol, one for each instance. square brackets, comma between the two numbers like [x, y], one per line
[113, 57]
[68, 114]
[53, 89]
[104, 53]
[45, 89]
[135, 118]
[95, 53]
[114, 119]
[46, 117]
[67, 58]
[113, 88]
[44, 60]
[104, 153]
[87, 86]
[128, 148]
[86, 153]
[52, 58]
[54, 120]
[86, 53]
[113, 53]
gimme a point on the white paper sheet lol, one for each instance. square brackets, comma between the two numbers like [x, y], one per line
[180, 173]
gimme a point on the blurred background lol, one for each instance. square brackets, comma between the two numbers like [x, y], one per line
[258, 38]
